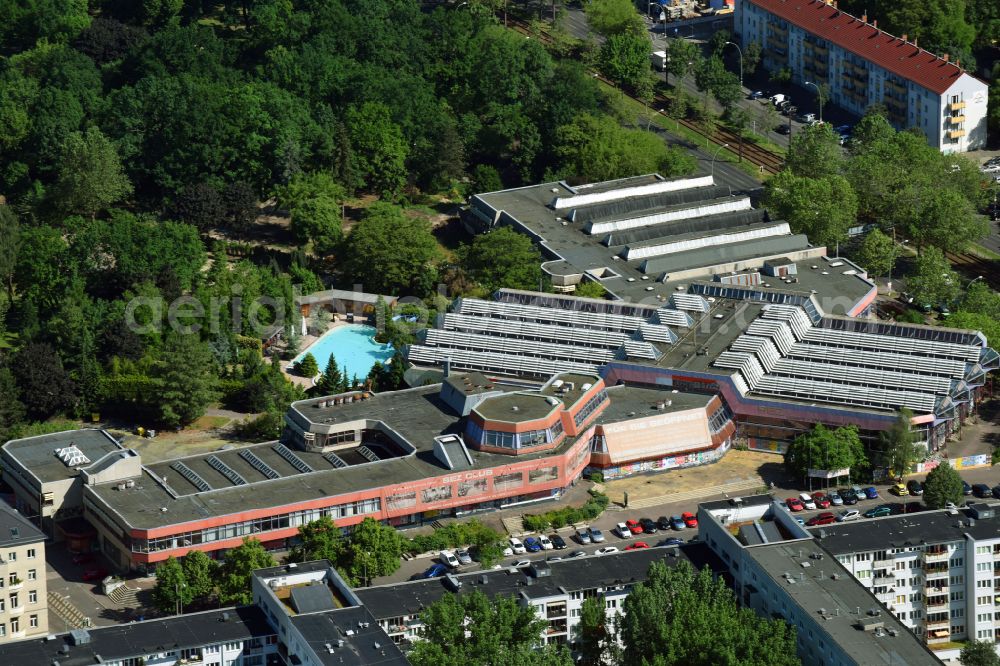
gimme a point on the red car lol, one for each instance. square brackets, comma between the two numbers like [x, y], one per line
[634, 526]
[793, 504]
[95, 574]
[689, 519]
[822, 501]
[82, 558]
[825, 518]
[637, 545]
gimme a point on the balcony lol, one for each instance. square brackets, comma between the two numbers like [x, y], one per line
[15, 586]
[956, 133]
[958, 120]
[895, 86]
[16, 610]
[883, 579]
[883, 564]
[938, 636]
[936, 601]
[555, 611]
[956, 106]
[777, 29]
[936, 555]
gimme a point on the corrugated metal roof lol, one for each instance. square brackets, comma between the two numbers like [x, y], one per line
[854, 35]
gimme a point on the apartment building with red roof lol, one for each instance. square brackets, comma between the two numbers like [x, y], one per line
[863, 66]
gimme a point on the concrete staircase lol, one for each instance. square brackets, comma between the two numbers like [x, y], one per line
[67, 612]
[514, 525]
[732, 489]
[123, 595]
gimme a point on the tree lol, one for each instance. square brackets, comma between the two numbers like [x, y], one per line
[696, 620]
[878, 253]
[240, 203]
[590, 289]
[10, 247]
[821, 208]
[200, 205]
[199, 574]
[943, 485]
[815, 152]
[106, 40]
[932, 280]
[485, 178]
[474, 629]
[613, 17]
[332, 380]
[624, 58]
[751, 58]
[237, 568]
[319, 540]
[503, 258]
[976, 321]
[307, 366]
[594, 148]
[184, 379]
[826, 449]
[171, 591]
[380, 149]
[91, 176]
[947, 220]
[897, 446]
[683, 56]
[592, 632]
[373, 550]
[12, 411]
[390, 253]
[978, 653]
[711, 76]
[45, 386]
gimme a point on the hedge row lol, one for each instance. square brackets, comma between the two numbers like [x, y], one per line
[567, 515]
[454, 535]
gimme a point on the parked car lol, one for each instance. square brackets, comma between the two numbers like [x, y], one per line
[871, 492]
[896, 509]
[448, 559]
[596, 535]
[849, 496]
[915, 487]
[690, 520]
[531, 545]
[676, 522]
[981, 490]
[966, 488]
[821, 500]
[848, 515]
[623, 531]
[558, 542]
[517, 546]
[97, 573]
[878, 511]
[82, 558]
[583, 535]
[672, 541]
[521, 563]
[996, 491]
[859, 492]
[606, 550]
[576, 553]
[633, 525]
[637, 545]
[914, 507]
[824, 518]
[663, 523]
[648, 526]
[806, 117]
[793, 504]
[756, 94]
[899, 489]
[783, 129]
[835, 498]
[544, 541]
[807, 501]
[434, 572]
[554, 558]
[464, 557]
[508, 551]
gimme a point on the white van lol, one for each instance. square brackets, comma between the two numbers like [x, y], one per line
[777, 99]
[448, 558]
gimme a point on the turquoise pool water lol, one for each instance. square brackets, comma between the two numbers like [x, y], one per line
[354, 348]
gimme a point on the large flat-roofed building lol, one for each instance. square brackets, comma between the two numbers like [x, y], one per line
[936, 571]
[556, 590]
[779, 571]
[863, 66]
[469, 444]
[635, 235]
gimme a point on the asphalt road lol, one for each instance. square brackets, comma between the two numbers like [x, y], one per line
[413, 569]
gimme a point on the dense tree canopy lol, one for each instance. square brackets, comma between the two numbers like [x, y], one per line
[943, 486]
[825, 449]
[503, 258]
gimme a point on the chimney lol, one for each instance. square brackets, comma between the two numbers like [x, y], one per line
[864, 17]
[915, 42]
[958, 63]
[944, 57]
[447, 366]
[875, 24]
[905, 37]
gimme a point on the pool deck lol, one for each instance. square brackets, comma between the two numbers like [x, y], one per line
[307, 341]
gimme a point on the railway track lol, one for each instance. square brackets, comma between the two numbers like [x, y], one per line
[768, 161]
[972, 267]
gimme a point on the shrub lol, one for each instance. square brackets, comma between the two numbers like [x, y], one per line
[597, 477]
[568, 515]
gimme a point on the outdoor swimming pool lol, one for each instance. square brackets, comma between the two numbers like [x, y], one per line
[354, 348]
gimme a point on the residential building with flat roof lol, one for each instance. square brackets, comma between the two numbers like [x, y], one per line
[780, 571]
[24, 603]
[863, 66]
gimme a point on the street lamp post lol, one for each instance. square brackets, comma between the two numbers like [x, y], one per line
[740, 51]
[725, 145]
[819, 101]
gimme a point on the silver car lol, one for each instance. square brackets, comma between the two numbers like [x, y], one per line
[583, 535]
[596, 535]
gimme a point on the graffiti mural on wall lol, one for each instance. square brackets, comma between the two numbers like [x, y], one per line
[669, 462]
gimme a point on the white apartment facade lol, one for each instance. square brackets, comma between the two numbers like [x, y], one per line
[23, 590]
[863, 66]
[937, 572]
